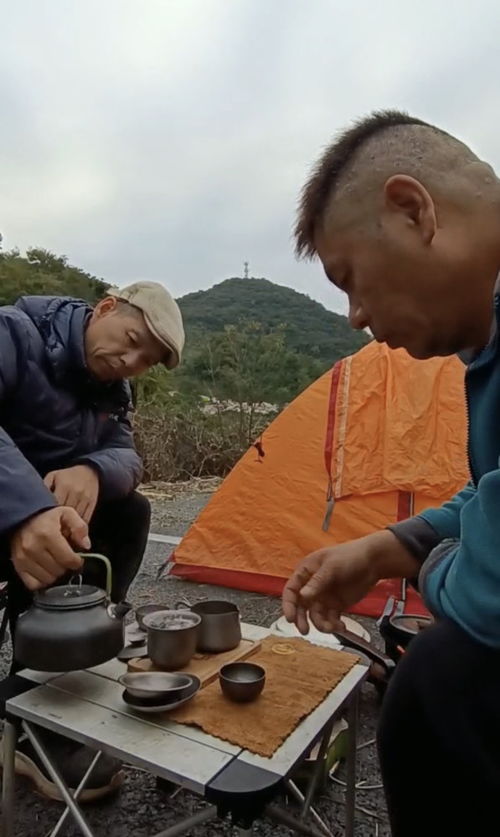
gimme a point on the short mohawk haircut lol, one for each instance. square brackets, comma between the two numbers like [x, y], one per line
[331, 166]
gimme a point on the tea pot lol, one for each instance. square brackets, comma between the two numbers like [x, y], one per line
[220, 628]
[71, 626]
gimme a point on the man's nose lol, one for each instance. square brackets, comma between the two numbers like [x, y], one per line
[130, 359]
[134, 362]
[357, 316]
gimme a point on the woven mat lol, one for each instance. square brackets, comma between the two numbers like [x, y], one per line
[299, 675]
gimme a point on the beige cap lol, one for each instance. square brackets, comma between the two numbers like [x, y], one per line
[161, 313]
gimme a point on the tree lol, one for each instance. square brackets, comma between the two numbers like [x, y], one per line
[180, 434]
[42, 272]
[248, 365]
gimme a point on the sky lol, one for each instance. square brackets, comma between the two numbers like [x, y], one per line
[169, 139]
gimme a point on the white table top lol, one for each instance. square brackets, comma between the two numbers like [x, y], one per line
[87, 706]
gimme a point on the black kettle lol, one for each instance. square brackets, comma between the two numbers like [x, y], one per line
[71, 626]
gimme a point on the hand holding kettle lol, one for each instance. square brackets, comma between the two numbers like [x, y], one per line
[41, 550]
[71, 626]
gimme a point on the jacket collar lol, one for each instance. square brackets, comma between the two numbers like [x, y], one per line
[61, 322]
[471, 356]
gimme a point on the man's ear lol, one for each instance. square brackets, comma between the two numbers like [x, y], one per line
[404, 195]
[104, 307]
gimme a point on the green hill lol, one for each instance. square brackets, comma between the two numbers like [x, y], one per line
[247, 339]
[310, 329]
[42, 272]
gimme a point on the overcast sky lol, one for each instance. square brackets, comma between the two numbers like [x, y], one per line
[168, 139]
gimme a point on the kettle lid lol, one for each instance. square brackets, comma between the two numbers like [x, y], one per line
[69, 597]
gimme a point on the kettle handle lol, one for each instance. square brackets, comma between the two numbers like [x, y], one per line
[107, 564]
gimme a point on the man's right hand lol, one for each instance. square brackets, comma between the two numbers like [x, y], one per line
[40, 548]
[329, 581]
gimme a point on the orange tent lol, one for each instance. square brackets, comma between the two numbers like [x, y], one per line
[377, 438]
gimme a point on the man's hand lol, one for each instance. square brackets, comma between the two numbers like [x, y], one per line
[40, 548]
[77, 487]
[329, 581]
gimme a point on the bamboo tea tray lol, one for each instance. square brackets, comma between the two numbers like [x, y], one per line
[204, 666]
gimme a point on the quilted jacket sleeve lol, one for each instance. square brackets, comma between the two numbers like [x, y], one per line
[22, 491]
[117, 462]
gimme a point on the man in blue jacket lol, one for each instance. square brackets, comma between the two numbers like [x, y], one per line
[68, 465]
[406, 220]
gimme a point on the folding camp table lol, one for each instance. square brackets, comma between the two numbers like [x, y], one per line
[87, 707]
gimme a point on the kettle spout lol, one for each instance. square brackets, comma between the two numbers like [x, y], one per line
[120, 610]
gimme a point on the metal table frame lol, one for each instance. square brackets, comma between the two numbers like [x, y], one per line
[243, 785]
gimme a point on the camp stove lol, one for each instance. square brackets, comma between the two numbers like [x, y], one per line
[398, 628]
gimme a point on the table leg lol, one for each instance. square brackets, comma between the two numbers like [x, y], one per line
[189, 823]
[350, 799]
[54, 773]
[282, 817]
[9, 777]
[318, 768]
[297, 793]
[62, 818]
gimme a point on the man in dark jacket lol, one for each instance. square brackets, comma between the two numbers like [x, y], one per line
[68, 465]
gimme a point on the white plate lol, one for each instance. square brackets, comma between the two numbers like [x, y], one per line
[134, 635]
[281, 626]
[131, 652]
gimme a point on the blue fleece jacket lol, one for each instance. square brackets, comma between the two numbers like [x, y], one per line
[461, 577]
[52, 413]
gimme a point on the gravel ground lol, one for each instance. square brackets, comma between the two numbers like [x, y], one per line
[142, 809]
